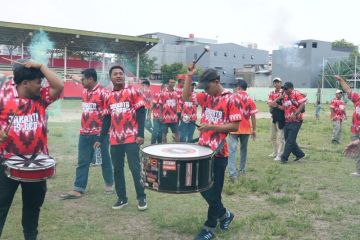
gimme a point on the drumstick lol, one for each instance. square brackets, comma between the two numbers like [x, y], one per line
[197, 125]
[13, 61]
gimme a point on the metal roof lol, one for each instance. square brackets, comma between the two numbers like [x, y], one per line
[76, 40]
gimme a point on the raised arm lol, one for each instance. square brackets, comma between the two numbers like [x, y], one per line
[343, 84]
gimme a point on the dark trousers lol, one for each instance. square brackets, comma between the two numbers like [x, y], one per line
[291, 131]
[33, 195]
[156, 136]
[118, 157]
[186, 131]
[213, 195]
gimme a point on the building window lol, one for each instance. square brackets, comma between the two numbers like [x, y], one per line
[252, 57]
[215, 53]
[243, 56]
[225, 54]
[234, 55]
[314, 45]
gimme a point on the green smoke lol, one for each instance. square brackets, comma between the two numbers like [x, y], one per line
[40, 46]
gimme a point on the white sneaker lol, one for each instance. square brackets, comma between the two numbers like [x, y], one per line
[278, 158]
[355, 174]
[272, 155]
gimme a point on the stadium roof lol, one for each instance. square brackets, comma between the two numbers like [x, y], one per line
[75, 40]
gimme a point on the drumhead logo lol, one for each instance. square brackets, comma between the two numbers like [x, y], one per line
[179, 150]
[25, 123]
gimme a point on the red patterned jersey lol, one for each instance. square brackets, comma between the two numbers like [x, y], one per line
[147, 96]
[122, 106]
[169, 101]
[291, 104]
[27, 120]
[338, 110]
[273, 95]
[355, 98]
[248, 108]
[156, 106]
[217, 110]
[93, 104]
[189, 108]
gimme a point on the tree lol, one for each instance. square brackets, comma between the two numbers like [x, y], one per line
[147, 65]
[171, 71]
[343, 44]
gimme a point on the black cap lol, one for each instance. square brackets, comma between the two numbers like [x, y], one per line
[287, 85]
[206, 77]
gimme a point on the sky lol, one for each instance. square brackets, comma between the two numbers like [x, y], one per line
[271, 24]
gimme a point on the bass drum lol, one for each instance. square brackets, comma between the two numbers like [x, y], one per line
[177, 168]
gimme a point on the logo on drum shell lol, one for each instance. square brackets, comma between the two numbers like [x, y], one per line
[169, 165]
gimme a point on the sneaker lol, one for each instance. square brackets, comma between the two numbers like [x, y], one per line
[225, 222]
[282, 161]
[205, 234]
[241, 172]
[142, 205]
[278, 158]
[272, 155]
[119, 204]
[355, 174]
[299, 158]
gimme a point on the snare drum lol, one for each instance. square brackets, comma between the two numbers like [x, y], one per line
[29, 168]
[177, 168]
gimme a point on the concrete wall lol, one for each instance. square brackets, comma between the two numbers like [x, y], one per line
[304, 65]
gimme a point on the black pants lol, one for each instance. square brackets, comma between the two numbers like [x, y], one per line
[33, 195]
[118, 157]
[213, 195]
[291, 131]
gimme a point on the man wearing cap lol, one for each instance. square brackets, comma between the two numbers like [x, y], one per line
[23, 131]
[355, 127]
[294, 105]
[278, 120]
[338, 114]
[220, 115]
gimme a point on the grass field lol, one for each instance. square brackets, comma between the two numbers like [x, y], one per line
[312, 199]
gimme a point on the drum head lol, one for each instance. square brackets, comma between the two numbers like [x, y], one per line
[30, 162]
[179, 151]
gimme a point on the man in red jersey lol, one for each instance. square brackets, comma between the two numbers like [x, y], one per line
[125, 119]
[156, 135]
[338, 115]
[278, 120]
[188, 117]
[147, 96]
[169, 105]
[293, 104]
[248, 111]
[22, 114]
[219, 116]
[355, 126]
[93, 103]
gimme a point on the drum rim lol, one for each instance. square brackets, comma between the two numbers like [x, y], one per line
[176, 158]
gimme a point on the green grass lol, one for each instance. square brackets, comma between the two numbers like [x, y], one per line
[314, 198]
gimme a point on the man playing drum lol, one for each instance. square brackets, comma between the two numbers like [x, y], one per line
[219, 117]
[23, 131]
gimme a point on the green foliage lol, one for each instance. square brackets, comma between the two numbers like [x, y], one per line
[171, 71]
[147, 65]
